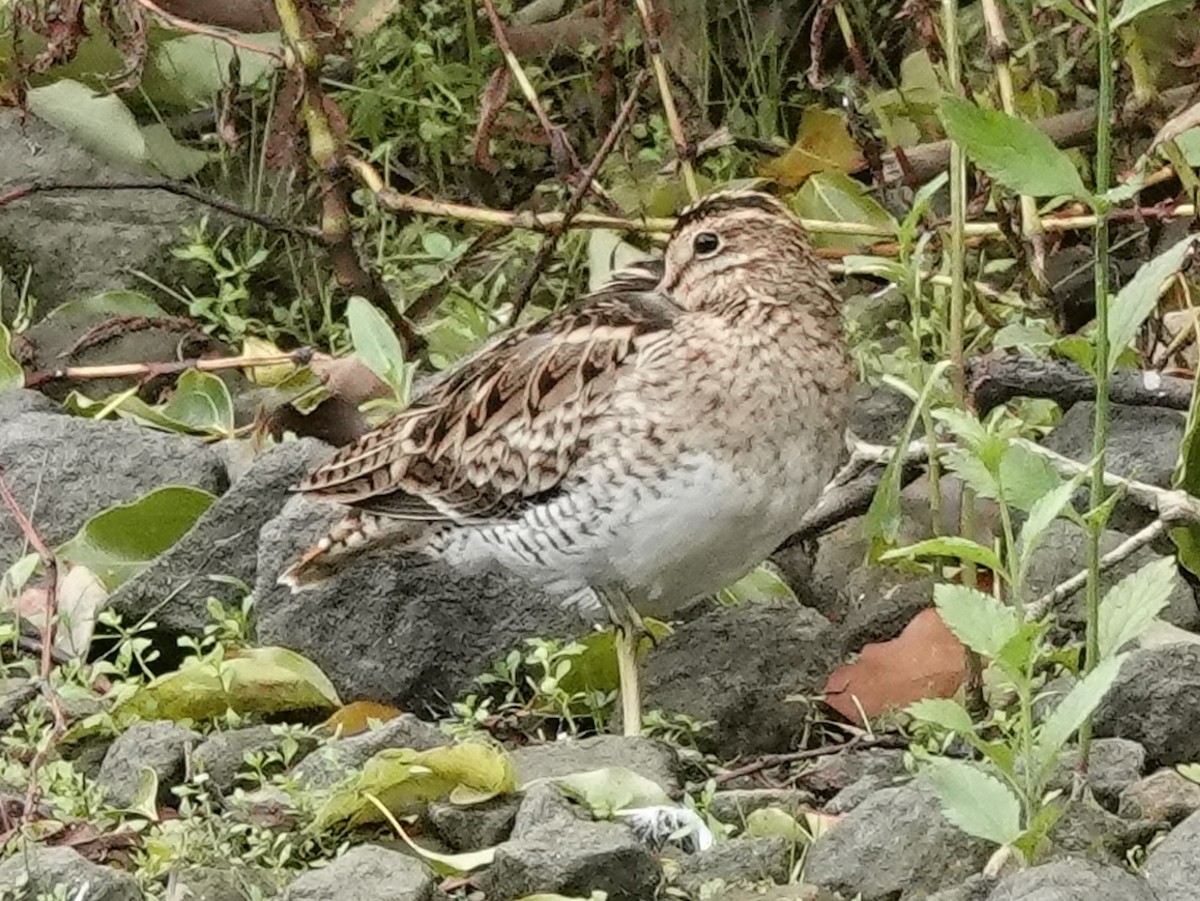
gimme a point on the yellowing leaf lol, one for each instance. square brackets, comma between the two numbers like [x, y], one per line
[256, 680]
[611, 789]
[823, 144]
[774, 821]
[443, 864]
[406, 781]
[837, 197]
[356, 717]
[11, 375]
[269, 376]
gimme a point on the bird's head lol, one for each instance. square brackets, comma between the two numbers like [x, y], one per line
[737, 241]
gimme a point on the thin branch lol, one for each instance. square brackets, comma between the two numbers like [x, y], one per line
[49, 561]
[770, 761]
[300, 357]
[575, 201]
[682, 148]
[171, 187]
[220, 34]
[1119, 554]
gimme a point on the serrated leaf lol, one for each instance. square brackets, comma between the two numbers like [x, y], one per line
[1043, 512]
[944, 712]
[1012, 151]
[948, 546]
[375, 342]
[1026, 477]
[610, 790]
[974, 474]
[978, 620]
[11, 374]
[101, 123]
[823, 144]
[977, 803]
[119, 542]
[1131, 9]
[251, 680]
[1073, 710]
[1133, 604]
[836, 197]
[1014, 657]
[1138, 299]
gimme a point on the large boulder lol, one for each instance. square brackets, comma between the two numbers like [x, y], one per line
[1173, 867]
[1074, 879]
[385, 629]
[65, 469]
[1155, 700]
[223, 543]
[40, 872]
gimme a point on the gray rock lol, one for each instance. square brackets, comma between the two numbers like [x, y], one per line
[221, 884]
[415, 636]
[734, 805]
[835, 772]
[737, 861]
[1084, 829]
[653, 759]
[1143, 444]
[976, 888]
[224, 542]
[879, 414]
[1163, 796]
[703, 669]
[856, 792]
[1059, 556]
[1155, 700]
[476, 826]
[18, 401]
[91, 466]
[160, 745]
[1072, 880]
[542, 804]
[76, 244]
[36, 870]
[366, 873]
[1172, 869]
[223, 754]
[1115, 764]
[575, 859]
[895, 843]
[337, 759]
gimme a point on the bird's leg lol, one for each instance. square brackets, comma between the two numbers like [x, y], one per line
[626, 640]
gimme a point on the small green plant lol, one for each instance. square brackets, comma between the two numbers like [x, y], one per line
[229, 310]
[1004, 798]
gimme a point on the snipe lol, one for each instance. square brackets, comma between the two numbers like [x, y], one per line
[646, 446]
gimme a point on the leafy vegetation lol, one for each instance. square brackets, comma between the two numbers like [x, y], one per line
[423, 98]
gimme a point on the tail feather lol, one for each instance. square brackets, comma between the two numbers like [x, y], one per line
[349, 537]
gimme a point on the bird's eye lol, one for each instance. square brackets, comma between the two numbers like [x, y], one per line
[706, 244]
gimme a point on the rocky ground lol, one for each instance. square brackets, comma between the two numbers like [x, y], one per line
[417, 639]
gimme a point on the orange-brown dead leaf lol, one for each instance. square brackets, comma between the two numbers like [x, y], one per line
[356, 717]
[823, 144]
[924, 661]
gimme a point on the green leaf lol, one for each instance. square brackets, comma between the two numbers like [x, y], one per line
[1131, 9]
[106, 304]
[375, 341]
[201, 402]
[11, 374]
[1189, 145]
[762, 585]
[883, 516]
[193, 69]
[122, 540]
[1018, 651]
[1072, 711]
[98, 122]
[944, 712]
[1138, 299]
[1035, 835]
[968, 467]
[1189, 771]
[977, 803]
[443, 864]
[608, 791]
[1133, 603]
[1043, 512]
[948, 546]
[978, 620]
[1187, 476]
[406, 781]
[768, 822]
[836, 197]
[168, 156]
[1012, 151]
[252, 680]
[1026, 477]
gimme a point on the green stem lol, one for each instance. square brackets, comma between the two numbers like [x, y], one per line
[1103, 170]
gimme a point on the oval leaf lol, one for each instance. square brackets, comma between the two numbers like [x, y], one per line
[835, 196]
[99, 122]
[606, 791]
[122, 540]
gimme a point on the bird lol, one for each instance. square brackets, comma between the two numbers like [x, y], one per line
[630, 453]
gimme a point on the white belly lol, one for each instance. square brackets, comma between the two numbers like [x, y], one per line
[665, 543]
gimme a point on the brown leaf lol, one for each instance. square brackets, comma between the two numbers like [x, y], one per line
[823, 144]
[356, 717]
[924, 661]
[495, 93]
[349, 378]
